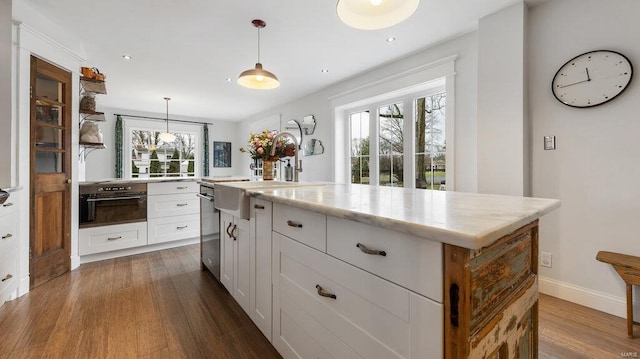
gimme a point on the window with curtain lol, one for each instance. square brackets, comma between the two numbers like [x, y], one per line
[146, 156]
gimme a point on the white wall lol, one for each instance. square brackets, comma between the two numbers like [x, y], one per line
[320, 168]
[6, 148]
[596, 167]
[502, 155]
[100, 164]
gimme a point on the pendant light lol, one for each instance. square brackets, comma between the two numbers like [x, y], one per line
[167, 137]
[375, 14]
[258, 78]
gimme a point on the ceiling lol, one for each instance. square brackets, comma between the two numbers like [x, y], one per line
[188, 49]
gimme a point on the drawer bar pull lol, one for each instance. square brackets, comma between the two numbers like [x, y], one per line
[114, 238]
[322, 293]
[182, 187]
[294, 224]
[366, 250]
[257, 206]
[182, 204]
[182, 227]
[9, 276]
[8, 204]
[9, 235]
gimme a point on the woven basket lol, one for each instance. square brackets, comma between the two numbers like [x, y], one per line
[88, 103]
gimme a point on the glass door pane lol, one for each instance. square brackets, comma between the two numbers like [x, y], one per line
[49, 127]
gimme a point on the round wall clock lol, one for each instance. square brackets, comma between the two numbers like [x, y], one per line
[592, 78]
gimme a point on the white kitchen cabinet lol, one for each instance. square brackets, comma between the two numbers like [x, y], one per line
[345, 311]
[110, 238]
[173, 211]
[260, 264]
[235, 256]
[8, 248]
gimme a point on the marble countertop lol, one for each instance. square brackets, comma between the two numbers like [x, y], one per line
[466, 220]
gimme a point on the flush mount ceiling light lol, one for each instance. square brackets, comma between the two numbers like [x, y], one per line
[167, 137]
[258, 78]
[375, 14]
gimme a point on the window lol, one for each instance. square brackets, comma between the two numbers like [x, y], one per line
[390, 145]
[359, 129]
[149, 157]
[430, 145]
[405, 146]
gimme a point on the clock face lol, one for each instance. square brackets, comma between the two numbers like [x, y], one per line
[592, 78]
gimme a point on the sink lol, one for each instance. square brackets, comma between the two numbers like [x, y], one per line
[232, 197]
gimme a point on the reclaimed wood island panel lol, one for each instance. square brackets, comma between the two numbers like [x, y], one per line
[488, 246]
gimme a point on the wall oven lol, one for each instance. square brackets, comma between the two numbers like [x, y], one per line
[103, 205]
[209, 231]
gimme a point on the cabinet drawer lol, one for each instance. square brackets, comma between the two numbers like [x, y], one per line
[172, 205]
[414, 263]
[172, 187]
[375, 318]
[8, 232]
[8, 274]
[173, 228]
[111, 238]
[304, 226]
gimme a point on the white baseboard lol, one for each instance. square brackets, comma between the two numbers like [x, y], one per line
[75, 262]
[23, 287]
[137, 250]
[603, 302]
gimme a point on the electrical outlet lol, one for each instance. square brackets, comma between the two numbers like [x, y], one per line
[545, 259]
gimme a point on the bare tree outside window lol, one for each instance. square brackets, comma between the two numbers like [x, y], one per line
[430, 141]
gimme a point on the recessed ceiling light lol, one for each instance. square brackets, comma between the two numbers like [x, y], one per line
[126, 57]
[391, 39]
[324, 70]
[229, 80]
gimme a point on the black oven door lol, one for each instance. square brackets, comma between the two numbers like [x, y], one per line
[112, 208]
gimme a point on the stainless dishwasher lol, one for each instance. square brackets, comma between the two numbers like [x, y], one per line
[209, 231]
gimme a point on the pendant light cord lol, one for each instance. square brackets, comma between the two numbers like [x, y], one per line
[258, 44]
[167, 100]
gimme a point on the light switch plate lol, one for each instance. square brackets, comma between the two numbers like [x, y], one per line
[549, 142]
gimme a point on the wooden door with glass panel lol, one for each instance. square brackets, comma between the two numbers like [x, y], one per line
[50, 225]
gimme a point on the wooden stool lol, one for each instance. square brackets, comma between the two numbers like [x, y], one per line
[628, 267]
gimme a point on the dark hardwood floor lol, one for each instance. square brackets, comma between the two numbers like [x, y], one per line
[160, 305]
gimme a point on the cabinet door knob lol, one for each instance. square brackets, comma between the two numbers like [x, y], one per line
[9, 276]
[366, 250]
[291, 223]
[322, 293]
[68, 180]
[8, 235]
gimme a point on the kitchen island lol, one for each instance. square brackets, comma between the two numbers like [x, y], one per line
[379, 272]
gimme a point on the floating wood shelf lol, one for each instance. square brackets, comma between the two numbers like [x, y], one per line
[93, 145]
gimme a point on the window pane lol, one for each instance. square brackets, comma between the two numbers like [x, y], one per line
[430, 145]
[359, 128]
[151, 157]
[391, 144]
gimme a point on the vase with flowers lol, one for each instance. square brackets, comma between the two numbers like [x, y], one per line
[259, 147]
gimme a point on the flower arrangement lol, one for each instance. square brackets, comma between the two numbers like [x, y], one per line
[260, 144]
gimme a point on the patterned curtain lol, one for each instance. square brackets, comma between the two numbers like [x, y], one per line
[205, 140]
[118, 147]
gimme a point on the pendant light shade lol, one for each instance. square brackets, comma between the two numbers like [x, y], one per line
[375, 14]
[167, 137]
[258, 78]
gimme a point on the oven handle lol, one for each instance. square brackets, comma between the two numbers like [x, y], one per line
[112, 198]
[210, 199]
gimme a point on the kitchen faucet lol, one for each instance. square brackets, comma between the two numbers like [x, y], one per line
[297, 165]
